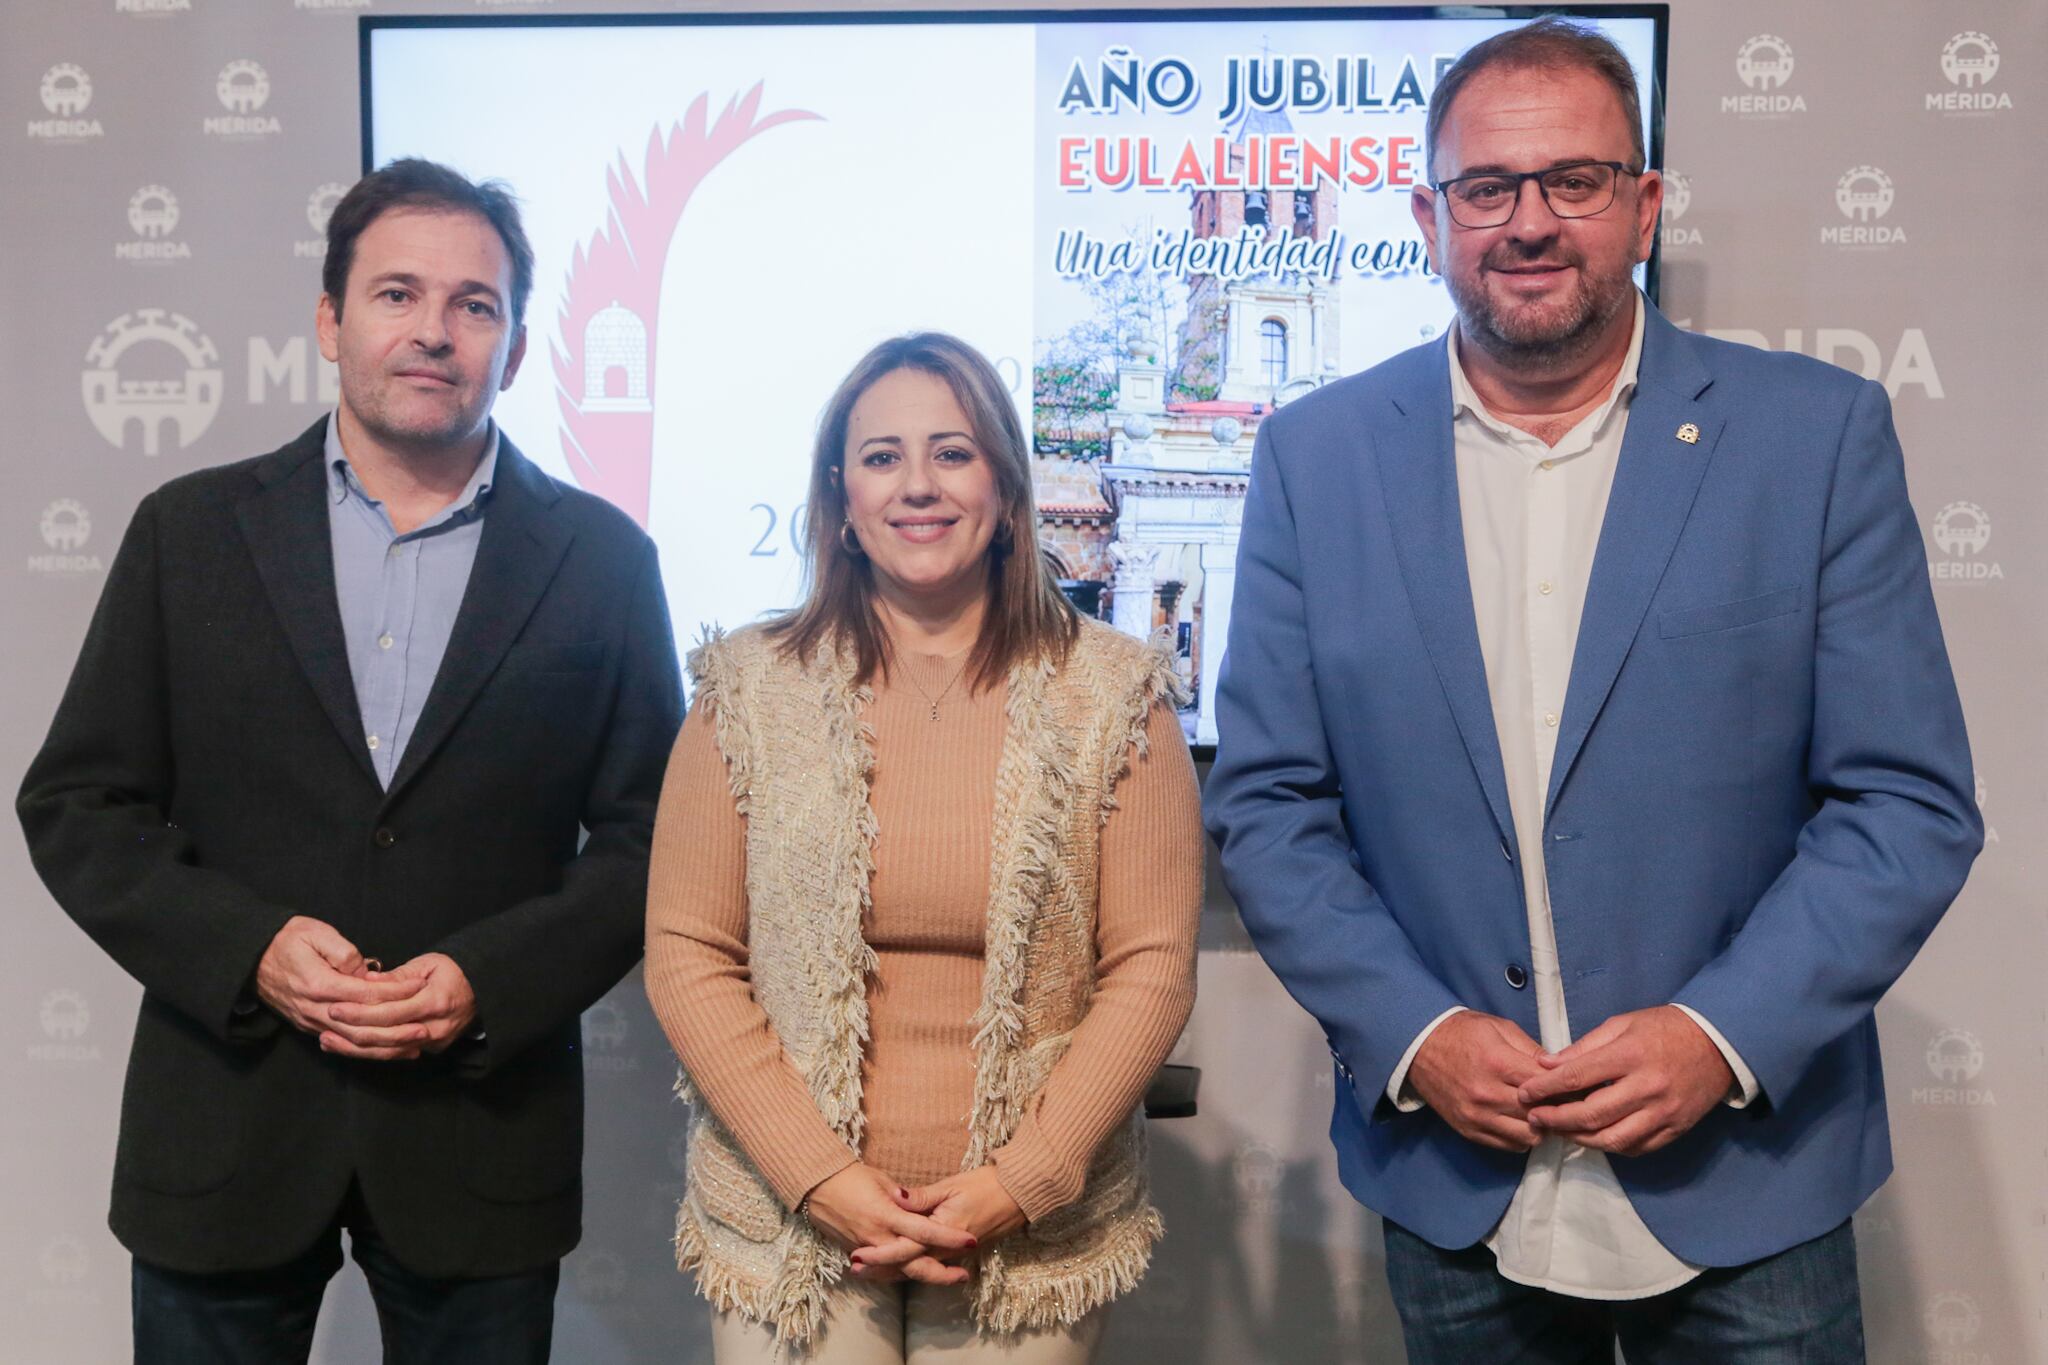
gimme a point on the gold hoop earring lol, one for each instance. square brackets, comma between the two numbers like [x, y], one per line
[850, 543]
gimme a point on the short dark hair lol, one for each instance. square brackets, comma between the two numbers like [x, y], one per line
[1551, 43]
[414, 183]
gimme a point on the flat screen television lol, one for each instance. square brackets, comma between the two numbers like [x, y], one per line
[1161, 225]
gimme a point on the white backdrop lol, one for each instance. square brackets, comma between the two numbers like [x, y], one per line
[1858, 181]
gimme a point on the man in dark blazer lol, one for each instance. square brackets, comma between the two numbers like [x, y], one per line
[318, 782]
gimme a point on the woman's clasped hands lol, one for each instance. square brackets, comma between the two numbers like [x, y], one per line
[893, 1233]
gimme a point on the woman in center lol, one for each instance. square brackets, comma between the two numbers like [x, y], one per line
[922, 913]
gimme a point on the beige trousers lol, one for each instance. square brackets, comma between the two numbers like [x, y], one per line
[905, 1323]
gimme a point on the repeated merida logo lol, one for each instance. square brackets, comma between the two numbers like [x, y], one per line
[1955, 1058]
[66, 94]
[65, 527]
[243, 88]
[1864, 195]
[1677, 201]
[153, 215]
[1764, 64]
[1961, 532]
[1969, 63]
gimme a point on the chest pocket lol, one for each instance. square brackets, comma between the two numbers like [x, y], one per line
[1746, 611]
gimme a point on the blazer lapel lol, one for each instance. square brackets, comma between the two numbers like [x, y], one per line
[1655, 482]
[285, 525]
[516, 558]
[1419, 480]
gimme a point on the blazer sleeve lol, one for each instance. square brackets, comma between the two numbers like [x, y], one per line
[94, 808]
[543, 961]
[1896, 824]
[1274, 804]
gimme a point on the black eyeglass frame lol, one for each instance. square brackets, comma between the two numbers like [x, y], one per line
[1620, 168]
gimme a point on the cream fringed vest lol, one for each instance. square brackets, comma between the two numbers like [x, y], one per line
[800, 757]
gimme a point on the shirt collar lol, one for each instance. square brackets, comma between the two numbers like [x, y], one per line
[342, 480]
[1464, 400]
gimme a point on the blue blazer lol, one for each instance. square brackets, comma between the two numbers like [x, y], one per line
[1760, 803]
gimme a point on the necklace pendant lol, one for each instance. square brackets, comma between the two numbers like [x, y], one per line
[935, 710]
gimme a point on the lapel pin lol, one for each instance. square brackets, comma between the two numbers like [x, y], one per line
[1689, 434]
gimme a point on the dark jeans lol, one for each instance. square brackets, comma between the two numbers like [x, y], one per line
[1799, 1307]
[266, 1317]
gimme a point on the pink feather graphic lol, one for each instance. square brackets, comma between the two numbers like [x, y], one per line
[605, 348]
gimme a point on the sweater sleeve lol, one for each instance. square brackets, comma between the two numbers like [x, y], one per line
[1147, 918]
[698, 980]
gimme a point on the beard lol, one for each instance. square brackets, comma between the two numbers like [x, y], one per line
[1545, 335]
[378, 406]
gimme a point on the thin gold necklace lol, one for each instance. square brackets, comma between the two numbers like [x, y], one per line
[934, 701]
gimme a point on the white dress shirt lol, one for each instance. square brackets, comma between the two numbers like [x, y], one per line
[1532, 515]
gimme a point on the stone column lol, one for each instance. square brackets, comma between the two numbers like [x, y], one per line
[1135, 566]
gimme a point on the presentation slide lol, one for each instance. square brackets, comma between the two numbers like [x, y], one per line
[1159, 230]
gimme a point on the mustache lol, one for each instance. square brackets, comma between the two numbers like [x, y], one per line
[1514, 253]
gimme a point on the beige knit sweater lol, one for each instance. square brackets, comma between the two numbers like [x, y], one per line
[931, 791]
[933, 797]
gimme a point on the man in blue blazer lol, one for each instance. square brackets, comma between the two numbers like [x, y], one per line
[1590, 766]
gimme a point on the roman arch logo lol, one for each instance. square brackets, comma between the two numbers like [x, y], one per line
[321, 203]
[243, 88]
[152, 211]
[1677, 199]
[1864, 195]
[66, 90]
[1952, 1319]
[605, 1030]
[1983, 800]
[1969, 63]
[1955, 1058]
[1969, 60]
[65, 527]
[66, 93]
[64, 1261]
[64, 1016]
[185, 400]
[320, 206]
[608, 327]
[153, 218]
[1961, 531]
[64, 1021]
[1764, 64]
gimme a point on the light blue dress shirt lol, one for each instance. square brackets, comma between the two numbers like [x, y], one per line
[399, 595]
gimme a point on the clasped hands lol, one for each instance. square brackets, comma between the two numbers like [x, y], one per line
[1636, 1083]
[320, 983]
[892, 1233]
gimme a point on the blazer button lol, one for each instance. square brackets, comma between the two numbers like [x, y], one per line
[383, 838]
[1516, 977]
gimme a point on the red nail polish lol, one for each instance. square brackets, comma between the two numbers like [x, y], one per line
[973, 1242]
[902, 1193]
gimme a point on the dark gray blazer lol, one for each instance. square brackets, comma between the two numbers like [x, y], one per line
[205, 779]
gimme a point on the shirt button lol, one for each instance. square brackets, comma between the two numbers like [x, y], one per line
[1549, 718]
[373, 741]
[383, 838]
[1515, 976]
[1544, 587]
[384, 640]
[395, 551]
[1547, 465]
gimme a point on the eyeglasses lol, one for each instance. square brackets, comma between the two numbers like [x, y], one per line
[1578, 190]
